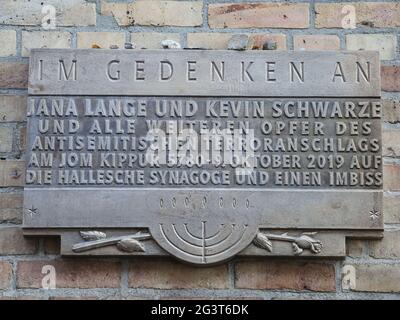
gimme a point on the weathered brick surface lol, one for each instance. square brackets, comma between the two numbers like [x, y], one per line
[169, 274]
[123, 13]
[13, 75]
[384, 43]
[377, 278]
[51, 245]
[219, 40]
[12, 108]
[22, 139]
[29, 13]
[377, 15]
[355, 248]
[8, 40]
[73, 298]
[6, 139]
[45, 39]
[260, 39]
[152, 40]
[208, 40]
[168, 13]
[281, 275]
[100, 39]
[316, 42]
[391, 177]
[5, 275]
[391, 110]
[179, 297]
[390, 78]
[155, 13]
[391, 143]
[11, 207]
[72, 273]
[258, 15]
[22, 297]
[391, 208]
[388, 247]
[12, 242]
[12, 173]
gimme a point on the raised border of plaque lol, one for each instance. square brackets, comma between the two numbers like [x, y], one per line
[316, 179]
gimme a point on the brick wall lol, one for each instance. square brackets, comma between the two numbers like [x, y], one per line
[293, 25]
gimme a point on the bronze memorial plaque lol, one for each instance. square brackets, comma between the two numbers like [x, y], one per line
[204, 155]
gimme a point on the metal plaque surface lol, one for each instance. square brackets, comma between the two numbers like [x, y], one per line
[204, 155]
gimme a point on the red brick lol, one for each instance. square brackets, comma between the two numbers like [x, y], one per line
[13, 242]
[155, 13]
[284, 275]
[373, 14]
[71, 274]
[261, 39]
[390, 77]
[168, 274]
[5, 275]
[316, 42]
[258, 15]
[13, 75]
[220, 40]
